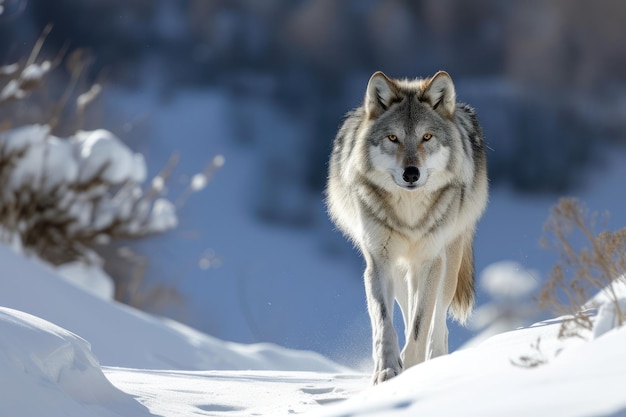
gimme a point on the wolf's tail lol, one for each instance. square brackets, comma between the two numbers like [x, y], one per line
[463, 300]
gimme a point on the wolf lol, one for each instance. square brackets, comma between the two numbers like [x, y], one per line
[407, 183]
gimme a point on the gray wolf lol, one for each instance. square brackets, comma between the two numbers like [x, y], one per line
[407, 184]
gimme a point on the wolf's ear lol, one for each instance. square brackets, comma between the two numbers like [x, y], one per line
[381, 93]
[440, 94]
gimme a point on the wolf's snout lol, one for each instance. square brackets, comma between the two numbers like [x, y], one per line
[411, 174]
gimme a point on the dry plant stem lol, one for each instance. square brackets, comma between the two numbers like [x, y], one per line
[594, 268]
[39, 44]
[208, 172]
[603, 262]
[537, 358]
[77, 68]
[165, 174]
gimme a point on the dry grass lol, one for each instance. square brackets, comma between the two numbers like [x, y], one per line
[534, 359]
[589, 262]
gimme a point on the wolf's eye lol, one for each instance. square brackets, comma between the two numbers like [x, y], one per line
[392, 138]
[427, 136]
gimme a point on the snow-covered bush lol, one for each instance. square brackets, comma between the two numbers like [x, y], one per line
[63, 196]
[598, 266]
[69, 198]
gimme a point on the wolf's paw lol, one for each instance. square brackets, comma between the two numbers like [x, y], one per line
[385, 374]
[382, 375]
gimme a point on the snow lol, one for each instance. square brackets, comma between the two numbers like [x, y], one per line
[103, 154]
[610, 304]
[265, 282]
[31, 75]
[83, 100]
[158, 183]
[165, 366]
[79, 158]
[127, 337]
[235, 393]
[163, 215]
[509, 286]
[12, 91]
[90, 277]
[483, 381]
[46, 369]
[35, 72]
[66, 352]
[198, 182]
[19, 139]
[508, 280]
[10, 69]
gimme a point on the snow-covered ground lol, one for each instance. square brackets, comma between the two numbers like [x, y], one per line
[65, 352]
[503, 376]
[55, 369]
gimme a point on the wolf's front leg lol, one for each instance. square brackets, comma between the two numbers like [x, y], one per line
[379, 291]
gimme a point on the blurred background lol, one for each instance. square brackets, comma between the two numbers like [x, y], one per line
[266, 84]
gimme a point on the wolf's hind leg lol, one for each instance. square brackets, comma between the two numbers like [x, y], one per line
[422, 302]
[426, 330]
[436, 289]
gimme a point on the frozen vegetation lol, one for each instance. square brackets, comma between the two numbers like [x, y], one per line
[91, 181]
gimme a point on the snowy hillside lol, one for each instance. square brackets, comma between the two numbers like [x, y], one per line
[577, 379]
[122, 336]
[103, 359]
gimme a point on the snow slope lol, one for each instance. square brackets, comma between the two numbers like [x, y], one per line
[122, 336]
[47, 370]
[579, 379]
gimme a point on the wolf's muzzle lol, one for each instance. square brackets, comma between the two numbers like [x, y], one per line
[411, 174]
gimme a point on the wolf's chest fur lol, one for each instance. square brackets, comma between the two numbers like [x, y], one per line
[414, 214]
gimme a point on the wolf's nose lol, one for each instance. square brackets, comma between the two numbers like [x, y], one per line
[411, 174]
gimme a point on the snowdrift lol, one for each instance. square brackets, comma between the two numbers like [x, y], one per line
[45, 369]
[526, 372]
[122, 336]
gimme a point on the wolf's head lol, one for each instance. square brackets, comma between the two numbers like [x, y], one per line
[411, 135]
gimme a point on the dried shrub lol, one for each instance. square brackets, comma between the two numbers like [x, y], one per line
[534, 359]
[589, 262]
